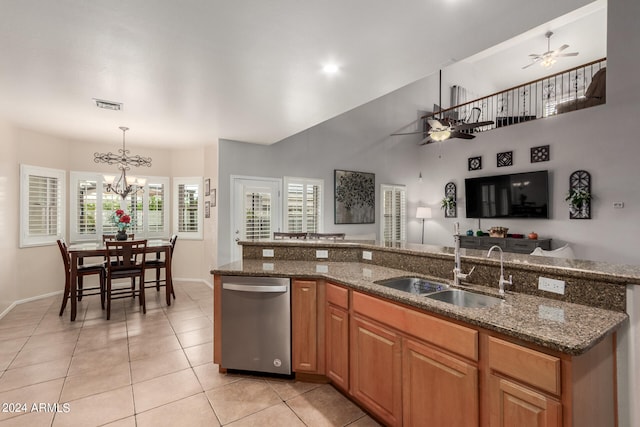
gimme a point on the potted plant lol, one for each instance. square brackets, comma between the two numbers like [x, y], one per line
[448, 203]
[578, 198]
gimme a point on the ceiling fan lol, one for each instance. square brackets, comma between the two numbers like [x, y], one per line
[440, 129]
[548, 58]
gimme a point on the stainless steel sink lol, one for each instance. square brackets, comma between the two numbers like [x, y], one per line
[414, 285]
[463, 298]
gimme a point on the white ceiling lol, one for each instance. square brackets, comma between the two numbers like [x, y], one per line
[192, 71]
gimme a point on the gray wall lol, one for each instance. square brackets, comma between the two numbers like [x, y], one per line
[599, 140]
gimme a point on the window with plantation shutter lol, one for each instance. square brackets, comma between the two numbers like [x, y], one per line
[42, 201]
[303, 205]
[92, 208]
[394, 213]
[257, 224]
[188, 207]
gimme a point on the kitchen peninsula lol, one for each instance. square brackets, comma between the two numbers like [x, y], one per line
[548, 358]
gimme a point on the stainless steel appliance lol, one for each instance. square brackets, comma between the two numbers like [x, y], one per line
[256, 324]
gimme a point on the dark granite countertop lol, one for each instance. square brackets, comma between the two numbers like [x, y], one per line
[563, 326]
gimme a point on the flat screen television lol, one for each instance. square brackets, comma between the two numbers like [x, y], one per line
[518, 195]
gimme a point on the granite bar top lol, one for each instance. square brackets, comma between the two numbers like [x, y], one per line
[623, 273]
[566, 327]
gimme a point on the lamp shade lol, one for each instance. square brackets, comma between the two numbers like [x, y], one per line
[423, 213]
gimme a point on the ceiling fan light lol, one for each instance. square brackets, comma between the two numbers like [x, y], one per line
[440, 135]
[548, 62]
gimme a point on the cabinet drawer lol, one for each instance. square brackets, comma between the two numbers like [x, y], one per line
[337, 295]
[529, 366]
[447, 335]
[521, 245]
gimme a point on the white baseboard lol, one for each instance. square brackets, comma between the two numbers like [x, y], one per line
[22, 301]
[37, 297]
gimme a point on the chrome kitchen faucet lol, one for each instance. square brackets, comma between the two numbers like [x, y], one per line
[457, 271]
[502, 281]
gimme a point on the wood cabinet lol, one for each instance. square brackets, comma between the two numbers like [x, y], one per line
[337, 336]
[508, 244]
[513, 404]
[307, 328]
[376, 369]
[437, 388]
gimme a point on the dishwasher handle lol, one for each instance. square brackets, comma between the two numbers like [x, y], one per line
[255, 288]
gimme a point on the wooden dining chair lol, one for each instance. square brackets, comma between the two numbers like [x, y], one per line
[296, 236]
[83, 270]
[159, 263]
[125, 259]
[327, 236]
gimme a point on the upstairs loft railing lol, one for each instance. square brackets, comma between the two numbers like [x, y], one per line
[568, 90]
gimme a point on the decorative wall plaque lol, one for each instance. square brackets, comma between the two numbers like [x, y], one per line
[475, 163]
[540, 154]
[505, 159]
[451, 211]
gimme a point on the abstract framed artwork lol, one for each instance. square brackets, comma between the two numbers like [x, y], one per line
[540, 154]
[475, 163]
[504, 159]
[355, 194]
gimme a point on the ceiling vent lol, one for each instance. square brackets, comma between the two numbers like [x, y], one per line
[108, 105]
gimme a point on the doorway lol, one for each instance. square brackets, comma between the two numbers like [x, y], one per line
[255, 210]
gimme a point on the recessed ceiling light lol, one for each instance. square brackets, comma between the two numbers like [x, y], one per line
[330, 68]
[108, 105]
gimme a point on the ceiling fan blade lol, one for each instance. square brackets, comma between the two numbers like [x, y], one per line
[536, 55]
[560, 49]
[535, 61]
[467, 126]
[461, 135]
[435, 124]
[426, 141]
[568, 54]
[408, 133]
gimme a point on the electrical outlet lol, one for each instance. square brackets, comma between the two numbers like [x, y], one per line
[267, 266]
[618, 205]
[267, 253]
[367, 255]
[551, 285]
[322, 253]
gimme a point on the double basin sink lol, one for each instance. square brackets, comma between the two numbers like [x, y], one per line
[440, 292]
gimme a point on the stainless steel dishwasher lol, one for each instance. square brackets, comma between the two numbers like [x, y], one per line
[256, 324]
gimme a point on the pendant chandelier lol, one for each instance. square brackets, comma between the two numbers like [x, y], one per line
[121, 184]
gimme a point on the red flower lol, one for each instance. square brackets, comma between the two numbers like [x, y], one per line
[119, 212]
[125, 218]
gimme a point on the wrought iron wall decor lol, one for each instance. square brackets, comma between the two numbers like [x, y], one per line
[579, 195]
[450, 192]
[475, 163]
[540, 154]
[504, 159]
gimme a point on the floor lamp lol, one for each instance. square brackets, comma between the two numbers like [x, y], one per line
[423, 213]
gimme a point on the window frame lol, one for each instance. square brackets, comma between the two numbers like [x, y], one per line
[285, 200]
[76, 177]
[188, 235]
[26, 239]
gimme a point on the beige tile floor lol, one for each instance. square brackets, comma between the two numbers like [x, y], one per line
[143, 370]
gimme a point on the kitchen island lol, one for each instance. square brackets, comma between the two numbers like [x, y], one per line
[547, 359]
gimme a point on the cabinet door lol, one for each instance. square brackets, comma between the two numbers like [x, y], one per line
[376, 369]
[514, 405]
[337, 346]
[437, 389]
[304, 322]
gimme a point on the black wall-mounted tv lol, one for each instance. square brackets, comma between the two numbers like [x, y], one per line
[519, 195]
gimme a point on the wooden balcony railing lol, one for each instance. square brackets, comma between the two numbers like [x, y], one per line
[568, 90]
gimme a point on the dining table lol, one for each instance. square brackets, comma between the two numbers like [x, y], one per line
[78, 252]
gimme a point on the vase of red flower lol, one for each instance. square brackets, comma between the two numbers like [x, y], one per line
[122, 221]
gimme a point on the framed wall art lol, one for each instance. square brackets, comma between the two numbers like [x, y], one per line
[355, 194]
